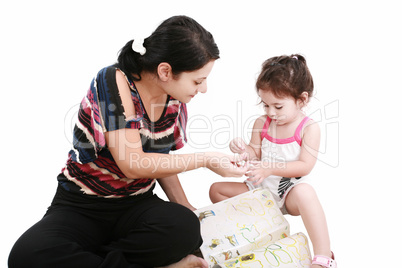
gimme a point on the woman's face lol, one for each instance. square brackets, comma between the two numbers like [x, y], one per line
[186, 85]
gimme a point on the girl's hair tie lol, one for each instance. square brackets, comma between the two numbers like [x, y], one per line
[295, 57]
[138, 46]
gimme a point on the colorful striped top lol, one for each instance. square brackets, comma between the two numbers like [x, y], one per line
[90, 168]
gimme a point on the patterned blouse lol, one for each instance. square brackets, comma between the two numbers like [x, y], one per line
[90, 168]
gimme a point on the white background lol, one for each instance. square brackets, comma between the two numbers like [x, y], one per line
[50, 50]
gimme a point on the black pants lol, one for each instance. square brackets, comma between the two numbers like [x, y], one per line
[137, 232]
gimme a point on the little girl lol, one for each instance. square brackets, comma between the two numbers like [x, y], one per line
[283, 150]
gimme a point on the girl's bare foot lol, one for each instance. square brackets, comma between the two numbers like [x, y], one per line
[190, 261]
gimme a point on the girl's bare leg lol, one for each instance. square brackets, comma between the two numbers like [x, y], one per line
[302, 200]
[220, 191]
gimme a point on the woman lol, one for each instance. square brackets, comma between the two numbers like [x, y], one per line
[104, 213]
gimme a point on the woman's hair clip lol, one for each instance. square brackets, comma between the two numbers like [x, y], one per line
[295, 57]
[138, 46]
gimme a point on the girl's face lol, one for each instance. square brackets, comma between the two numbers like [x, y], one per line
[281, 110]
[188, 84]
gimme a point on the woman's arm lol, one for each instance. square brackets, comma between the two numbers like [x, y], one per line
[308, 157]
[126, 149]
[174, 191]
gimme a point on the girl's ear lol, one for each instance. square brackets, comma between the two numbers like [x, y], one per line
[303, 99]
[164, 71]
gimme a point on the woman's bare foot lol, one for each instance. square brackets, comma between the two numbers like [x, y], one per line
[190, 261]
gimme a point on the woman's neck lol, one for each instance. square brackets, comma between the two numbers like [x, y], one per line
[150, 90]
[152, 95]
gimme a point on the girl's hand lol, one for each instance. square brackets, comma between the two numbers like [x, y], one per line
[257, 171]
[237, 146]
[226, 165]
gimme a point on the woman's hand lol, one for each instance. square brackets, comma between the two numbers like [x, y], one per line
[226, 165]
[258, 171]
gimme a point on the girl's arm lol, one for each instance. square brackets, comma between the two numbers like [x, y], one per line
[252, 151]
[174, 191]
[308, 157]
[255, 141]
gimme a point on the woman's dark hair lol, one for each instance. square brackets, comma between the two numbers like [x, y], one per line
[180, 41]
[286, 76]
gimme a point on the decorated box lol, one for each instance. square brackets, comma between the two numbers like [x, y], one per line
[289, 252]
[239, 225]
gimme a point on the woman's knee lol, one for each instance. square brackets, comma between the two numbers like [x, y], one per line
[180, 234]
[49, 243]
[179, 226]
[26, 252]
[20, 253]
[34, 250]
[29, 251]
[187, 223]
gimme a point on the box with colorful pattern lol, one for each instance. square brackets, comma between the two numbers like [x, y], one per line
[240, 225]
[289, 252]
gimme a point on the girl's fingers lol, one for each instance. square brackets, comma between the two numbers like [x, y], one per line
[250, 174]
[240, 145]
[239, 171]
[252, 167]
[257, 182]
[244, 156]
